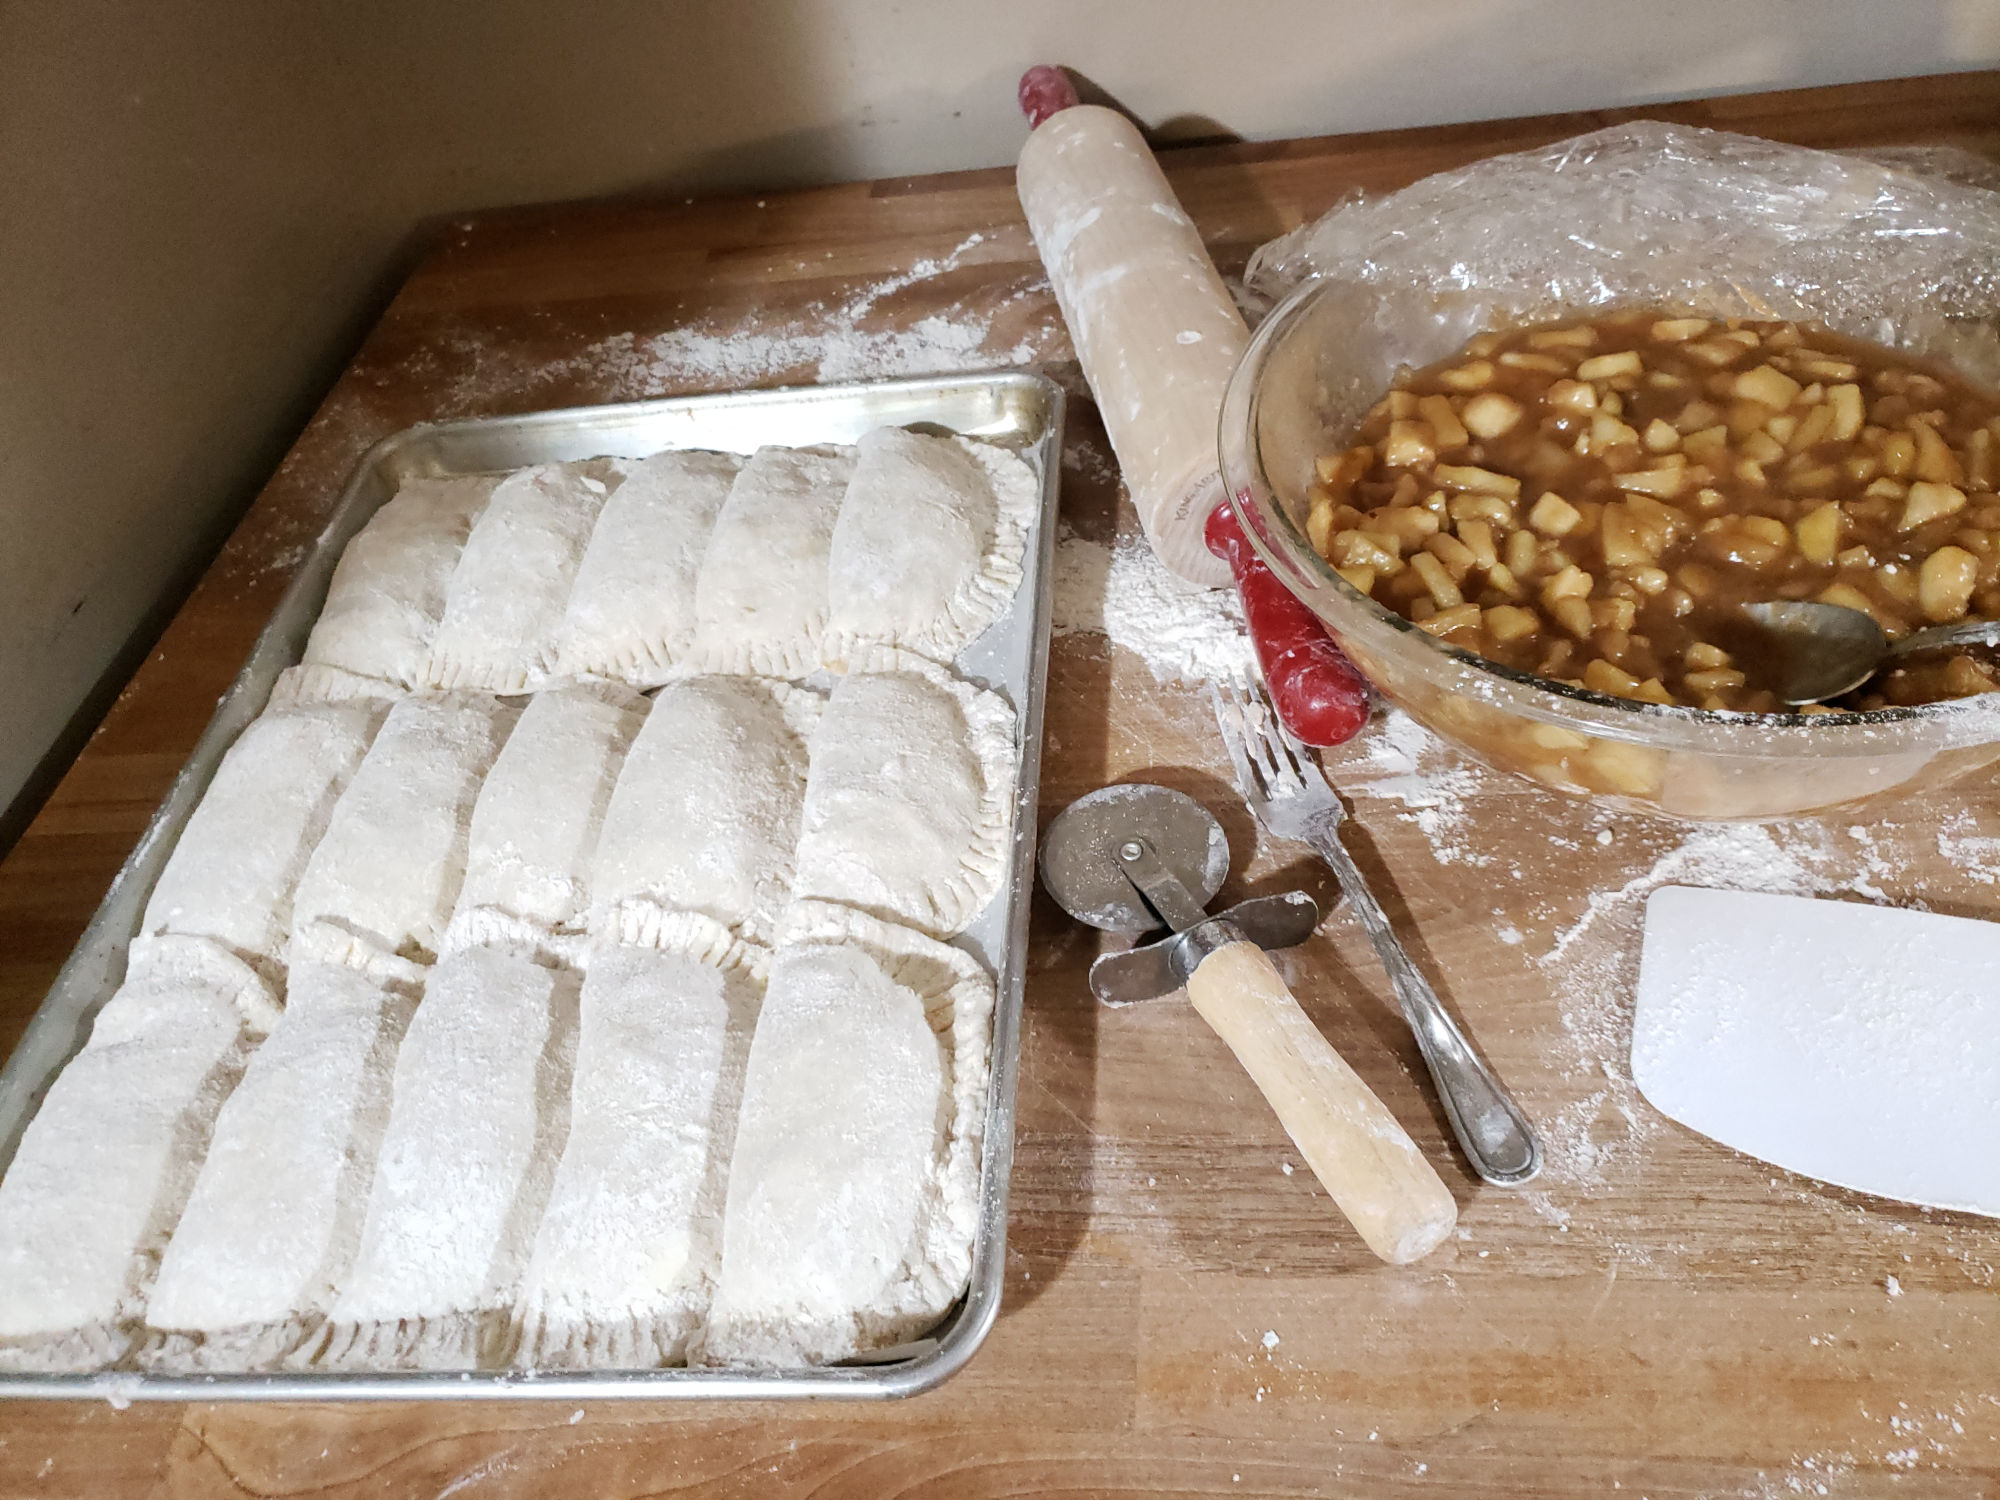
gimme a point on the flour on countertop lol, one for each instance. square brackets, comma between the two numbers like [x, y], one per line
[1124, 593]
[1974, 853]
[826, 343]
[1398, 760]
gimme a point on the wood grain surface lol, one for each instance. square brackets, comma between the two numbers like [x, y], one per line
[1185, 1314]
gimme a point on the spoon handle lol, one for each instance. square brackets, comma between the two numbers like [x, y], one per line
[1965, 633]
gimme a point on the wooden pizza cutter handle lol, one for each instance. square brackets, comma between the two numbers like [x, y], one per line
[1361, 1155]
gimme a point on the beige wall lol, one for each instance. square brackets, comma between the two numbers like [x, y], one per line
[205, 201]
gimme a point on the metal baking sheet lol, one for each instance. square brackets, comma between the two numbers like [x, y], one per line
[1023, 412]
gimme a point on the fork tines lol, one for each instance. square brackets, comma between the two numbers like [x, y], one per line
[1269, 763]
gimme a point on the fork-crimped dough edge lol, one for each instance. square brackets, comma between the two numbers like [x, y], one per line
[989, 722]
[958, 997]
[801, 708]
[542, 1336]
[111, 1342]
[981, 597]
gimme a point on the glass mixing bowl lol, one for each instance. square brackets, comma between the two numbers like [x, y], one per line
[1331, 348]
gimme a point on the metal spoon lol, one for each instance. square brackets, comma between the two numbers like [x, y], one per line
[1819, 651]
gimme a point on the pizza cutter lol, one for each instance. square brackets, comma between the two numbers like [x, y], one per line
[1135, 858]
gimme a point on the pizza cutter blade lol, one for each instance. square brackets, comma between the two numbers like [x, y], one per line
[1135, 858]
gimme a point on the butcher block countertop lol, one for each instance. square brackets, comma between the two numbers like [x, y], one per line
[1185, 1311]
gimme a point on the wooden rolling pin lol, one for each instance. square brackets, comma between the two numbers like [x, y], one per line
[1155, 329]
[1158, 336]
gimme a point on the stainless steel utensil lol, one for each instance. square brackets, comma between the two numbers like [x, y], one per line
[1129, 858]
[1819, 651]
[1291, 798]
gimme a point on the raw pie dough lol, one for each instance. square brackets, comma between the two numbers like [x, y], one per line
[387, 594]
[536, 824]
[480, 1113]
[233, 874]
[706, 813]
[504, 605]
[926, 552]
[761, 597]
[909, 802]
[853, 1191]
[108, 1160]
[275, 1215]
[631, 611]
[379, 888]
[626, 1256]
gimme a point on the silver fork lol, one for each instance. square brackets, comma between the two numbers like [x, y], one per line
[1291, 798]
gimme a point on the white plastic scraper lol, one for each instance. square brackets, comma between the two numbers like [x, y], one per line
[1856, 1044]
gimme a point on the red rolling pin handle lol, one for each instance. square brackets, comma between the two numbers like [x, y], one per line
[1045, 91]
[1313, 686]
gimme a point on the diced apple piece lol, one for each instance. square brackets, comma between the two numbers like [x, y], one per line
[1457, 617]
[1762, 448]
[1458, 559]
[1663, 482]
[1546, 364]
[1573, 396]
[1678, 330]
[1844, 401]
[1510, 622]
[1491, 415]
[1935, 461]
[1768, 384]
[1445, 426]
[1443, 590]
[1358, 549]
[1409, 444]
[1602, 677]
[1713, 680]
[1614, 614]
[1571, 583]
[1928, 501]
[1610, 366]
[1573, 614]
[1576, 336]
[1816, 427]
[1606, 431]
[1708, 445]
[1521, 553]
[1818, 533]
[1478, 539]
[1947, 583]
[1477, 480]
[1552, 516]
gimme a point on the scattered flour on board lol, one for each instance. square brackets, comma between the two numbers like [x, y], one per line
[1123, 592]
[1976, 854]
[1401, 761]
[828, 343]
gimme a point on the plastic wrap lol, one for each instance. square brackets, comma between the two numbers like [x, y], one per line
[1901, 246]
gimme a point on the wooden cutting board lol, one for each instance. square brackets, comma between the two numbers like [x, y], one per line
[1185, 1313]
